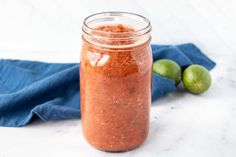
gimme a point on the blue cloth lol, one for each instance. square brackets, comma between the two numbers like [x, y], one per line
[50, 91]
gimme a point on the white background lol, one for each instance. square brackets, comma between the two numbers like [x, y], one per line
[35, 28]
[181, 124]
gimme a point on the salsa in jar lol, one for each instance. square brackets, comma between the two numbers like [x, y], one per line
[115, 80]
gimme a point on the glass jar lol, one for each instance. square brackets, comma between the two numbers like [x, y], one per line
[115, 80]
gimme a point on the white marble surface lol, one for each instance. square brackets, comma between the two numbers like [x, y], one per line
[182, 125]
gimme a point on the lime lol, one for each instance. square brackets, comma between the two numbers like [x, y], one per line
[196, 79]
[168, 68]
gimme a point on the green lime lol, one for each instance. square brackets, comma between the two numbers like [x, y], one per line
[196, 79]
[168, 68]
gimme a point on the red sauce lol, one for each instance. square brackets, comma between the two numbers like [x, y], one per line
[115, 91]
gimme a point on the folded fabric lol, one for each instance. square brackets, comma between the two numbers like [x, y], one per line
[50, 91]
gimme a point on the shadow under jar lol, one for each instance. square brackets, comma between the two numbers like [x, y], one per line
[115, 80]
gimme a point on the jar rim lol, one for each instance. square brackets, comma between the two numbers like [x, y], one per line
[140, 34]
[137, 32]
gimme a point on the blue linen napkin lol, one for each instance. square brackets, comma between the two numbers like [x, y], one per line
[50, 91]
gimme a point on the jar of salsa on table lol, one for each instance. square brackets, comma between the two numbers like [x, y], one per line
[115, 80]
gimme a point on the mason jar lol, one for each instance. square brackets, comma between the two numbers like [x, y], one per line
[115, 80]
